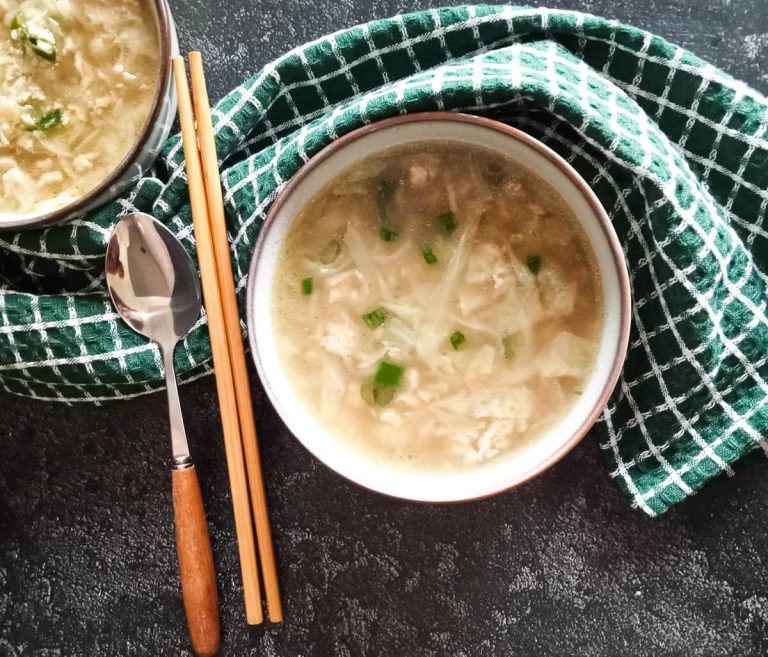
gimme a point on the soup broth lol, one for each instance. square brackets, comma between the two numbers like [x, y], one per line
[77, 80]
[437, 305]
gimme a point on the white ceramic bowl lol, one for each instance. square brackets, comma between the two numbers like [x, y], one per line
[503, 472]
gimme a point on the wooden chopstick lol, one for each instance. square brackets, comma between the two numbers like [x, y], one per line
[219, 346]
[234, 335]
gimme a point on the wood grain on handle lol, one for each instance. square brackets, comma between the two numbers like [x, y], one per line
[217, 222]
[223, 370]
[198, 578]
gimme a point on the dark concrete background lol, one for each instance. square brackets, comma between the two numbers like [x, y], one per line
[560, 567]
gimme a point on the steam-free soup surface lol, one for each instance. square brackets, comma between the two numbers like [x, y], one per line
[77, 79]
[437, 306]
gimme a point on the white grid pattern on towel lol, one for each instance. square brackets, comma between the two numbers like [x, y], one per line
[703, 221]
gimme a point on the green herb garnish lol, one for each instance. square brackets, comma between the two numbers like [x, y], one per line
[375, 395]
[47, 121]
[387, 234]
[40, 39]
[457, 340]
[508, 342]
[376, 317]
[388, 374]
[533, 262]
[446, 223]
[383, 395]
[429, 254]
[307, 285]
[366, 392]
[380, 390]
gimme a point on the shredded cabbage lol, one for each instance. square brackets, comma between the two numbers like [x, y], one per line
[530, 333]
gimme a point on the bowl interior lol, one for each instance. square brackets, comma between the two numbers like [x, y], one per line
[502, 472]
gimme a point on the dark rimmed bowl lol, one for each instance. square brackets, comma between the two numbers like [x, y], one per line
[144, 151]
[505, 471]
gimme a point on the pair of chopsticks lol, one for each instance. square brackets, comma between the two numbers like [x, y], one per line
[231, 373]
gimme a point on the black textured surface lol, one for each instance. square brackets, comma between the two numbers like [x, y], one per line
[560, 567]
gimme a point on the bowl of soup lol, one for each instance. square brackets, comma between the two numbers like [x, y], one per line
[438, 307]
[86, 103]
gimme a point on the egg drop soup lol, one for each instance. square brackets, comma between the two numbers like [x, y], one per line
[436, 306]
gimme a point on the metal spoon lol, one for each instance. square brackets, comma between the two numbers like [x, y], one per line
[156, 291]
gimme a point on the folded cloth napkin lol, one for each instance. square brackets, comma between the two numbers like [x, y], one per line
[675, 149]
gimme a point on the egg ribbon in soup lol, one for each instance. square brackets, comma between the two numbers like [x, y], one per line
[77, 80]
[437, 305]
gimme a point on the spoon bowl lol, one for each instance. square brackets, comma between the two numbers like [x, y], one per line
[151, 280]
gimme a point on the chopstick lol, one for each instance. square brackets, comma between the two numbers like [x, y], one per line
[219, 346]
[234, 335]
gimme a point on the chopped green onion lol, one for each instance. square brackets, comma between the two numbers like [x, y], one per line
[366, 392]
[429, 254]
[42, 47]
[47, 121]
[376, 317]
[387, 234]
[39, 39]
[457, 340]
[446, 223]
[375, 395]
[533, 262]
[383, 395]
[307, 285]
[508, 342]
[330, 252]
[388, 374]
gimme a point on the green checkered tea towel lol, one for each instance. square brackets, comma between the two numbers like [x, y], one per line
[675, 149]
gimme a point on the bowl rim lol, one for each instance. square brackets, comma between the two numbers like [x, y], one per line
[617, 255]
[162, 20]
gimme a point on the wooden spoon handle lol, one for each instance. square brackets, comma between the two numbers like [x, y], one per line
[198, 578]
